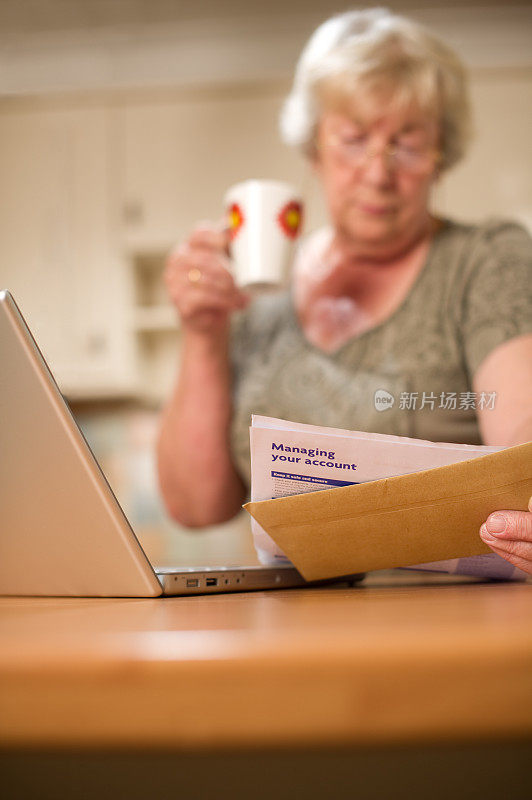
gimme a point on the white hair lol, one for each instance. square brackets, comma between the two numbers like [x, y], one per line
[364, 50]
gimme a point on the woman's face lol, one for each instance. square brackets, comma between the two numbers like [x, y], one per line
[377, 170]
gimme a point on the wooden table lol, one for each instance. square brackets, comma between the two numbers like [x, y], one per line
[407, 686]
[401, 658]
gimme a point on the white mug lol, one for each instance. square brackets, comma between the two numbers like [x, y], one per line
[264, 219]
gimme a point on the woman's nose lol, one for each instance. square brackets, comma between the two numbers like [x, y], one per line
[377, 168]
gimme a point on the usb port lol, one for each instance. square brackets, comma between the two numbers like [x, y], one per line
[192, 582]
[211, 582]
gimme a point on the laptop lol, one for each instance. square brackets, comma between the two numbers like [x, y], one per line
[63, 532]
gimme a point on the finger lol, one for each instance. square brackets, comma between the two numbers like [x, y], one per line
[190, 299]
[200, 267]
[226, 229]
[511, 555]
[204, 276]
[195, 247]
[198, 300]
[185, 256]
[517, 547]
[210, 237]
[510, 525]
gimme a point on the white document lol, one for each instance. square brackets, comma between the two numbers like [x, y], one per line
[291, 458]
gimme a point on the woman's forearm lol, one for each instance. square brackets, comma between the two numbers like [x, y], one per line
[199, 482]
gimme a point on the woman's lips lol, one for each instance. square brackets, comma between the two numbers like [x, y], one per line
[375, 209]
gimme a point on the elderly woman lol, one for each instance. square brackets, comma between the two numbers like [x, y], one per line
[388, 297]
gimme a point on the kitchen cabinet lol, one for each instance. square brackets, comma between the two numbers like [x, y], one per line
[182, 152]
[59, 254]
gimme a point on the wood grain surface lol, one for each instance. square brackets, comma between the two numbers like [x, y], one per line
[400, 658]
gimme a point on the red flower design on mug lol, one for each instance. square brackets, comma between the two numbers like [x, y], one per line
[235, 219]
[290, 218]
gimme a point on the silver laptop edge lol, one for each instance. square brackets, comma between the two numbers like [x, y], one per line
[63, 530]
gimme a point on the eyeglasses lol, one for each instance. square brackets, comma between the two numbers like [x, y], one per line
[356, 151]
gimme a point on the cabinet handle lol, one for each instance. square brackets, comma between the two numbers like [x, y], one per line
[133, 212]
[96, 343]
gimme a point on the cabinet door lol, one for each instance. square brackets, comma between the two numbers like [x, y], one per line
[182, 154]
[56, 244]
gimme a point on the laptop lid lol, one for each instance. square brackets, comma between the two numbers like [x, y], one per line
[62, 529]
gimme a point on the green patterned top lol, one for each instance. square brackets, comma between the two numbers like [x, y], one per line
[410, 375]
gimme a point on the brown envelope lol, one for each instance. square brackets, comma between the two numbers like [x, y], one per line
[395, 522]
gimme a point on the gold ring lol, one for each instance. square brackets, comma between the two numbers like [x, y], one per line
[194, 275]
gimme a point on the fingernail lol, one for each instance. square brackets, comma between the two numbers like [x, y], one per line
[496, 523]
[488, 538]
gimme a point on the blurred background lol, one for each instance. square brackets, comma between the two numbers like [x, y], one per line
[122, 123]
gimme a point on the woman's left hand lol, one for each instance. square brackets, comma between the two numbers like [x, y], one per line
[509, 534]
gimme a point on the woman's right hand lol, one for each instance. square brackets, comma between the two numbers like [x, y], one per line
[200, 283]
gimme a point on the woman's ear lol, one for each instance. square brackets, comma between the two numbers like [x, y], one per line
[313, 150]
[438, 172]
[438, 169]
[314, 158]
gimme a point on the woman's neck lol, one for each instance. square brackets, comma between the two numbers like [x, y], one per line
[397, 251]
[342, 292]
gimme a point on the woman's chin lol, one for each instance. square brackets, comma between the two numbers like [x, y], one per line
[374, 229]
